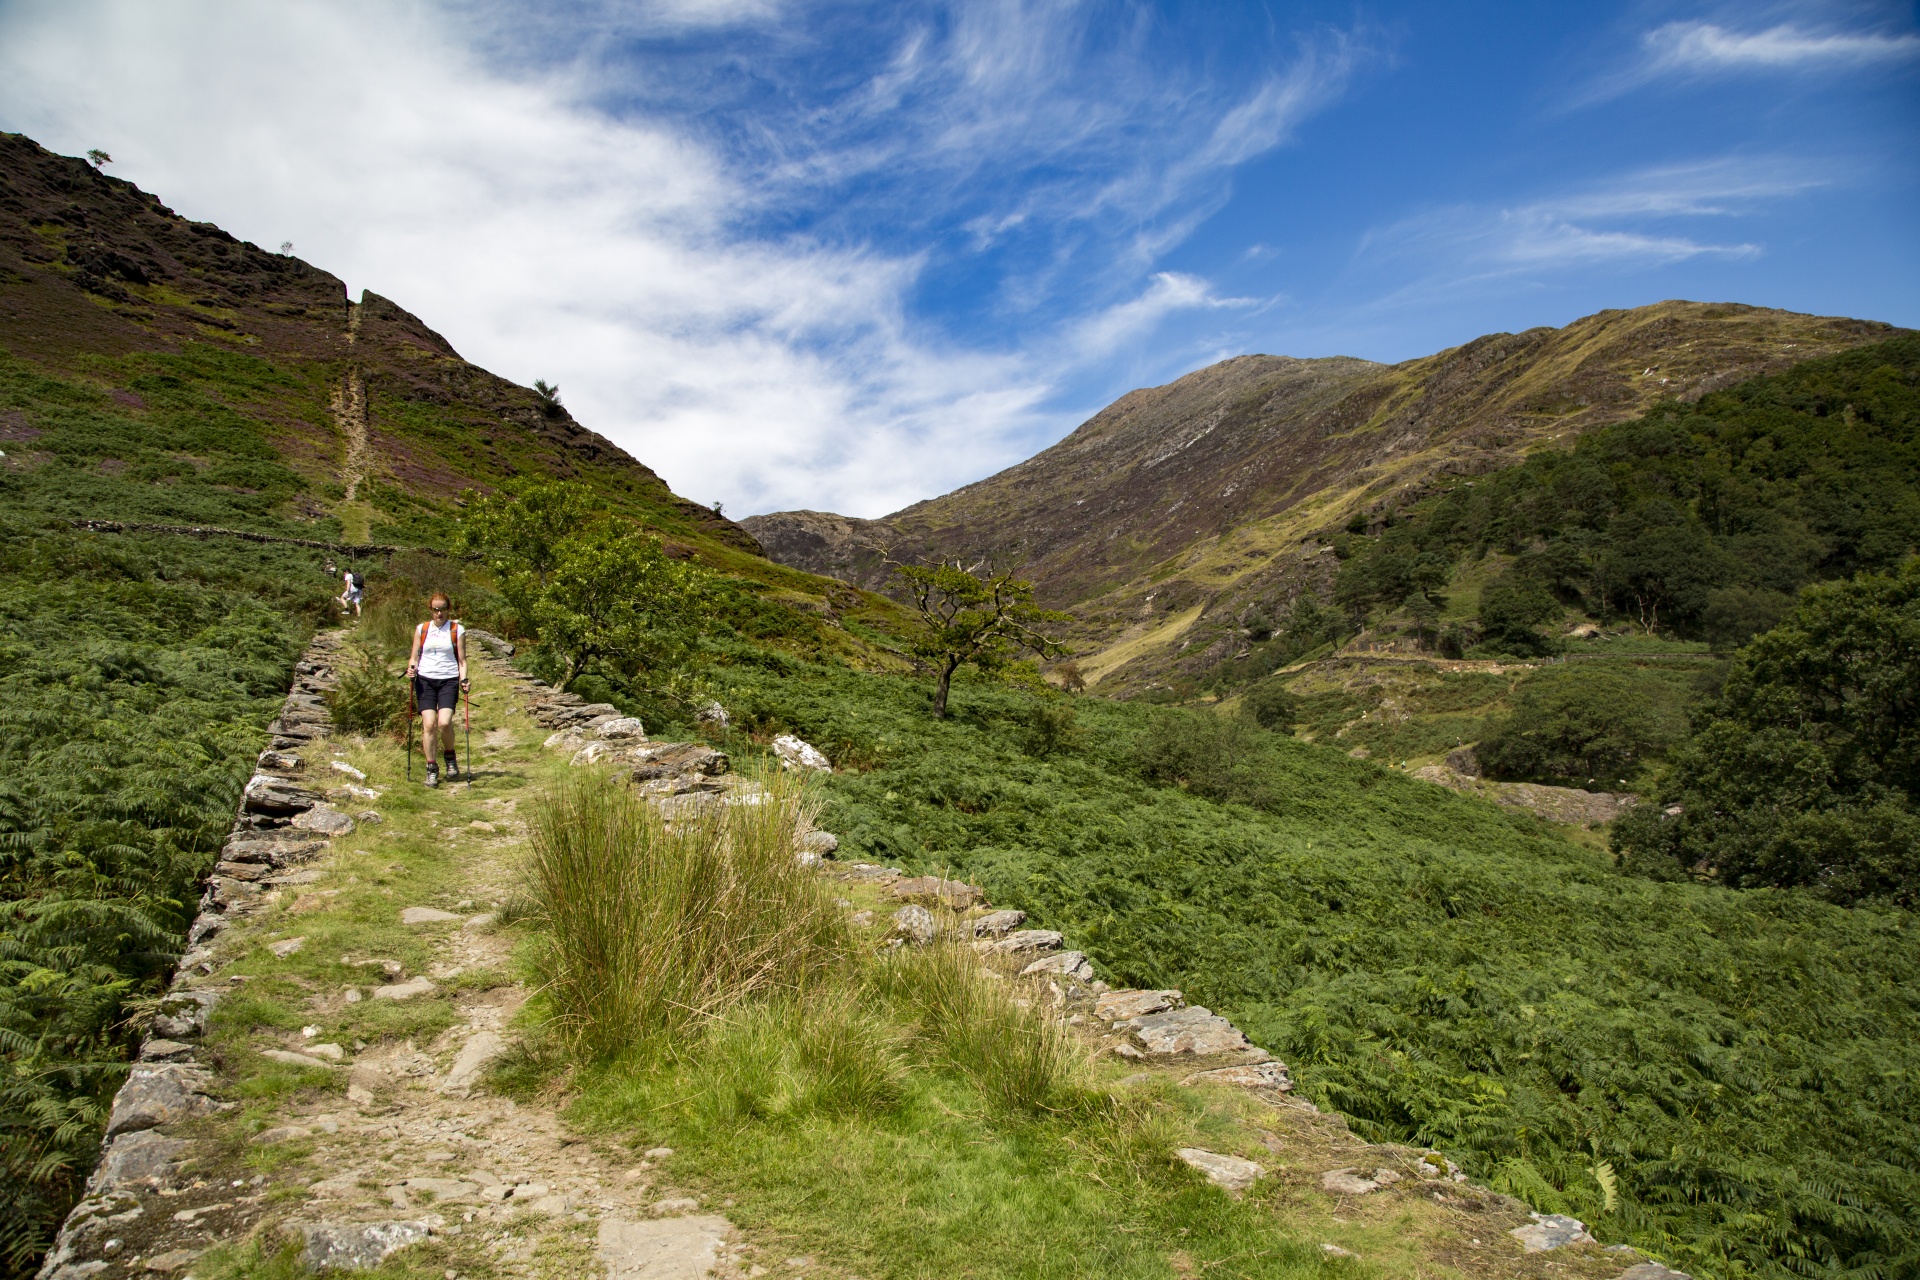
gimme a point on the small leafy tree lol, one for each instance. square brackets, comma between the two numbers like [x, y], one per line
[98, 158]
[590, 586]
[1512, 606]
[549, 397]
[973, 615]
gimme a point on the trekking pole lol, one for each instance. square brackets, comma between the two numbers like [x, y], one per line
[410, 719]
[466, 701]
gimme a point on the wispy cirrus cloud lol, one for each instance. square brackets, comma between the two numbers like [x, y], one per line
[1636, 221]
[1695, 50]
[1706, 46]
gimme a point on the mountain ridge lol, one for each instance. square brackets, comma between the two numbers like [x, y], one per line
[1214, 495]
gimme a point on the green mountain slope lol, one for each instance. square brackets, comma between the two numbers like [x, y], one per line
[1178, 510]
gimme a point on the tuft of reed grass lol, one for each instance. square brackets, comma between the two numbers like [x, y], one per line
[654, 926]
[1020, 1057]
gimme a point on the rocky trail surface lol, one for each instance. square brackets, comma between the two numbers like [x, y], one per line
[314, 1093]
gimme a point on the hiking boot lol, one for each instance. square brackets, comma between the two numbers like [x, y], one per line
[433, 775]
[453, 765]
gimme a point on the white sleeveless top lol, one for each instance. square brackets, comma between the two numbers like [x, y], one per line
[437, 658]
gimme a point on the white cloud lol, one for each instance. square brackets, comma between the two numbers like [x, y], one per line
[1626, 224]
[608, 248]
[1704, 46]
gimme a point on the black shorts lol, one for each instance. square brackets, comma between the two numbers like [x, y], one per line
[436, 695]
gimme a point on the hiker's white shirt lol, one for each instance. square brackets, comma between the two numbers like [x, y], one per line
[437, 659]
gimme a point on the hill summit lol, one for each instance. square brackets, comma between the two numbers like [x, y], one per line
[1177, 510]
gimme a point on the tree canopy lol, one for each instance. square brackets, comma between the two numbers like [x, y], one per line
[1805, 770]
[973, 615]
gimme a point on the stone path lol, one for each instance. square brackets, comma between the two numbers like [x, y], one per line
[404, 1150]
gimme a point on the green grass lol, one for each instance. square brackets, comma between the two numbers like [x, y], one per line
[1441, 971]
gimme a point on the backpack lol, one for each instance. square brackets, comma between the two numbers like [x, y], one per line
[420, 635]
[357, 582]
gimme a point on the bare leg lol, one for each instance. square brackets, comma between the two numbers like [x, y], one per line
[446, 731]
[429, 737]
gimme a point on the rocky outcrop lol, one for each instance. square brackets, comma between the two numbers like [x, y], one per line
[1560, 804]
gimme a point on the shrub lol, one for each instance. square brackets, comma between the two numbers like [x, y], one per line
[1272, 706]
[654, 926]
[369, 698]
[1209, 755]
[1582, 726]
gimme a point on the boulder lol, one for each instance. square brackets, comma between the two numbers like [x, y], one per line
[997, 924]
[1069, 963]
[932, 889]
[1551, 1231]
[714, 714]
[797, 755]
[157, 1094]
[823, 843]
[326, 820]
[354, 1246]
[618, 728]
[1117, 1006]
[1230, 1173]
[914, 923]
[671, 759]
[1022, 940]
[1196, 1031]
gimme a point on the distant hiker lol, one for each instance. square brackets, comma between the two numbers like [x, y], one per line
[438, 669]
[356, 592]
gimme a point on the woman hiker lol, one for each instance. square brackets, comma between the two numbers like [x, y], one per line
[438, 669]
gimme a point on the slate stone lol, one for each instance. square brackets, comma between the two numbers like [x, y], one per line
[1195, 1031]
[1230, 1173]
[1023, 940]
[1117, 1006]
[183, 1014]
[326, 820]
[139, 1158]
[1069, 963]
[157, 1094]
[268, 794]
[997, 924]
[355, 1246]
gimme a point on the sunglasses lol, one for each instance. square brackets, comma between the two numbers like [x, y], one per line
[438, 608]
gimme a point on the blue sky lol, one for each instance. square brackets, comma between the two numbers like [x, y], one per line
[848, 255]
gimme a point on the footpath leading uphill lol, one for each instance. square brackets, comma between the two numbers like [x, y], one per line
[318, 1091]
